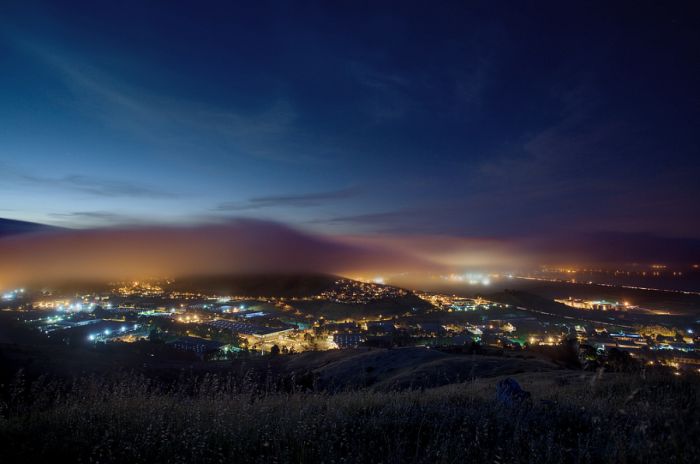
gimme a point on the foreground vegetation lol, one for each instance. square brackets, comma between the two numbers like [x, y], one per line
[571, 417]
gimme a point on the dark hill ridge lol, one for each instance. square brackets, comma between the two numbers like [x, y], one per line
[279, 285]
[10, 227]
[406, 368]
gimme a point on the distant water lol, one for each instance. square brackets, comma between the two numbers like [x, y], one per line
[607, 287]
[687, 281]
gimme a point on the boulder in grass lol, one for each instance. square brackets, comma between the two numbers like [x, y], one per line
[509, 392]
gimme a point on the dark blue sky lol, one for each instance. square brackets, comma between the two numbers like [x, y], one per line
[465, 118]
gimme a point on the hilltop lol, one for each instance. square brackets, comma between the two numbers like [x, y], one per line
[10, 227]
[278, 285]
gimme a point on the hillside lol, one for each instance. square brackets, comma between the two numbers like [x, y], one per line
[10, 227]
[571, 417]
[137, 404]
[406, 368]
[280, 285]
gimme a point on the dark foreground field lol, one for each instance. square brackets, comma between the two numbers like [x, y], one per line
[571, 417]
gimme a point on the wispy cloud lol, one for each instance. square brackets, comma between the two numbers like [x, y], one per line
[268, 132]
[295, 201]
[382, 218]
[404, 221]
[94, 218]
[92, 185]
[99, 187]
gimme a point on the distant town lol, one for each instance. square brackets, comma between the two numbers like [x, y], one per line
[345, 313]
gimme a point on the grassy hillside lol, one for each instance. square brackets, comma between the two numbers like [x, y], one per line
[571, 417]
[405, 368]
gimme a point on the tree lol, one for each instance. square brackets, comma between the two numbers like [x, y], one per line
[588, 357]
[620, 361]
[275, 350]
[153, 336]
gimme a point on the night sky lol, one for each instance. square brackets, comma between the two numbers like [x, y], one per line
[464, 119]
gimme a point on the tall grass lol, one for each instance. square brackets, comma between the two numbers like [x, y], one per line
[130, 418]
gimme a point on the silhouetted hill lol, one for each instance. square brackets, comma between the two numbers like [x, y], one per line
[531, 301]
[12, 227]
[406, 405]
[405, 368]
[281, 285]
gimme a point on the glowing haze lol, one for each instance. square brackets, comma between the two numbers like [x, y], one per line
[241, 246]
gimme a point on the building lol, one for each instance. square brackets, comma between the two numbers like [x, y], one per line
[348, 340]
[259, 332]
[199, 346]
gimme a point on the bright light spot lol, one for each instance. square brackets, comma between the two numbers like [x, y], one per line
[378, 280]
[91, 338]
[107, 332]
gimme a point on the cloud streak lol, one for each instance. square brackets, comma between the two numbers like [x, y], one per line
[268, 132]
[99, 186]
[92, 185]
[295, 201]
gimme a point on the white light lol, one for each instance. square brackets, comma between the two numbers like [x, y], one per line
[107, 332]
[91, 338]
[123, 329]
